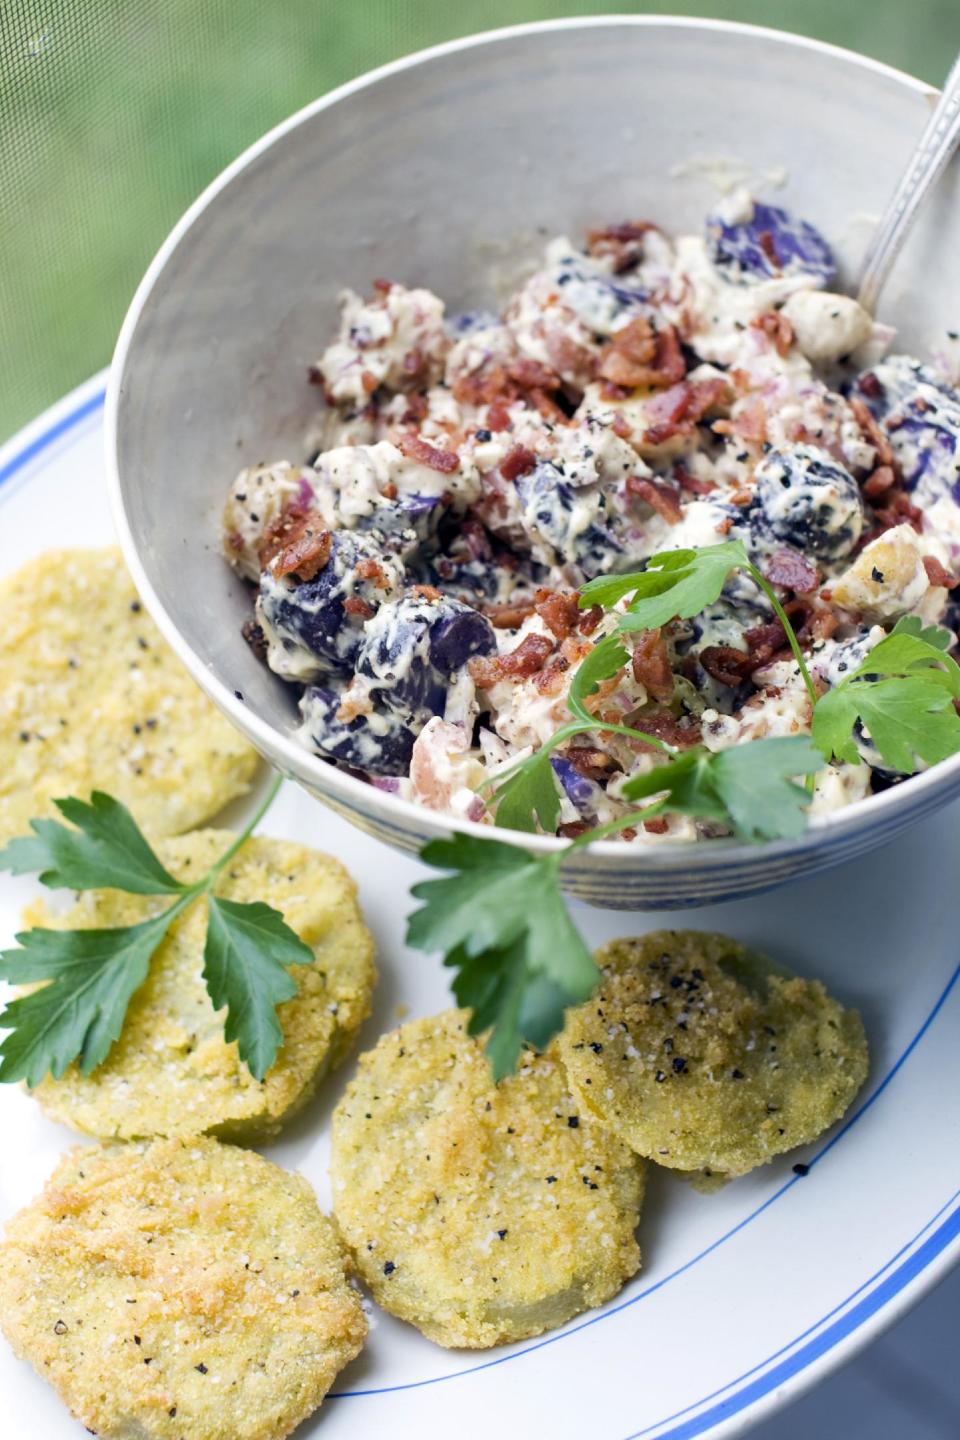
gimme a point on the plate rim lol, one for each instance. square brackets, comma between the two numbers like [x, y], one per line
[823, 1347]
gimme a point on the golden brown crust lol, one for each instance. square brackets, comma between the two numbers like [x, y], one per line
[479, 1212]
[703, 1056]
[171, 1072]
[92, 697]
[179, 1291]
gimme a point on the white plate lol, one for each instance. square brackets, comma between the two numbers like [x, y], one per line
[746, 1297]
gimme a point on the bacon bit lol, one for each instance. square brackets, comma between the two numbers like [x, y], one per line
[550, 680]
[869, 385]
[517, 461]
[416, 448]
[529, 657]
[498, 417]
[559, 612]
[235, 540]
[777, 328]
[612, 392]
[370, 569]
[750, 424]
[659, 497]
[305, 555]
[898, 510]
[651, 665]
[877, 484]
[255, 638]
[590, 619]
[389, 491]
[592, 764]
[567, 357]
[658, 826]
[689, 484]
[640, 355]
[570, 829]
[428, 592]
[936, 574]
[725, 525]
[823, 623]
[356, 605]
[621, 243]
[666, 726]
[416, 411]
[621, 426]
[676, 411]
[369, 381]
[787, 567]
[509, 616]
[764, 641]
[878, 439]
[726, 664]
[765, 241]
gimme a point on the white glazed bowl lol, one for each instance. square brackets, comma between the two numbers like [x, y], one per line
[440, 170]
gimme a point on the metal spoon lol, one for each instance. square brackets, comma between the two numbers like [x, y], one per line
[928, 162]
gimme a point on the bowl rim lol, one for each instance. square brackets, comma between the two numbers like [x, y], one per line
[302, 763]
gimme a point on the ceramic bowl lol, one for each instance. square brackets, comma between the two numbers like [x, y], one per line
[440, 170]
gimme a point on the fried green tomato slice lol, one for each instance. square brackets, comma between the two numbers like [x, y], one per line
[480, 1213]
[179, 1290]
[93, 698]
[172, 1072]
[706, 1057]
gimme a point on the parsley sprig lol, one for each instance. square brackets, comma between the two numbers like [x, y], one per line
[92, 974]
[902, 695]
[749, 789]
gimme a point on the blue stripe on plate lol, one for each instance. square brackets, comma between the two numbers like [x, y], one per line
[847, 1324]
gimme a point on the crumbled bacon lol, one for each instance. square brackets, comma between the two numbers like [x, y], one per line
[640, 355]
[509, 616]
[727, 664]
[370, 569]
[428, 592]
[417, 408]
[559, 612]
[878, 439]
[590, 619]
[764, 641]
[879, 482]
[936, 573]
[657, 826]
[478, 541]
[570, 829]
[898, 510]
[529, 657]
[517, 461]
[690, 484]
[498, 417]
[682, 731]
[356, 605]
[549, 681]
[787, 567]
[750, 424]
[766, 242]
[658, 496]
[305, 553]
[777, 328]
[369, 381]
[389, 491]
[384, 286]
[651, 665]
[255, 638]
[676, 411]
[623, 243]
[620, 425]
[416, 448]
[592, 764]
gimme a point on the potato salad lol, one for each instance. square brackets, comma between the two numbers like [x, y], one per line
[419, 579]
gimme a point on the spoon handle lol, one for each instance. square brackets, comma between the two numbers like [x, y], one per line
[927, 164]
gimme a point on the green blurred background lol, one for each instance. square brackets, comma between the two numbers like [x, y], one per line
[115, 113]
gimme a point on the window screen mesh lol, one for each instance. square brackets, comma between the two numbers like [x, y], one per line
[115, 113]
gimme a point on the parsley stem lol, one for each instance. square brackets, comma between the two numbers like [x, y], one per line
[228, 854]
[789, 631]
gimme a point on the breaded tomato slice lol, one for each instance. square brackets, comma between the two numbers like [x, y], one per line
[704, 1056]
[480, 1213]
[179, 1290]
[93, 698]
[172, 1072]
